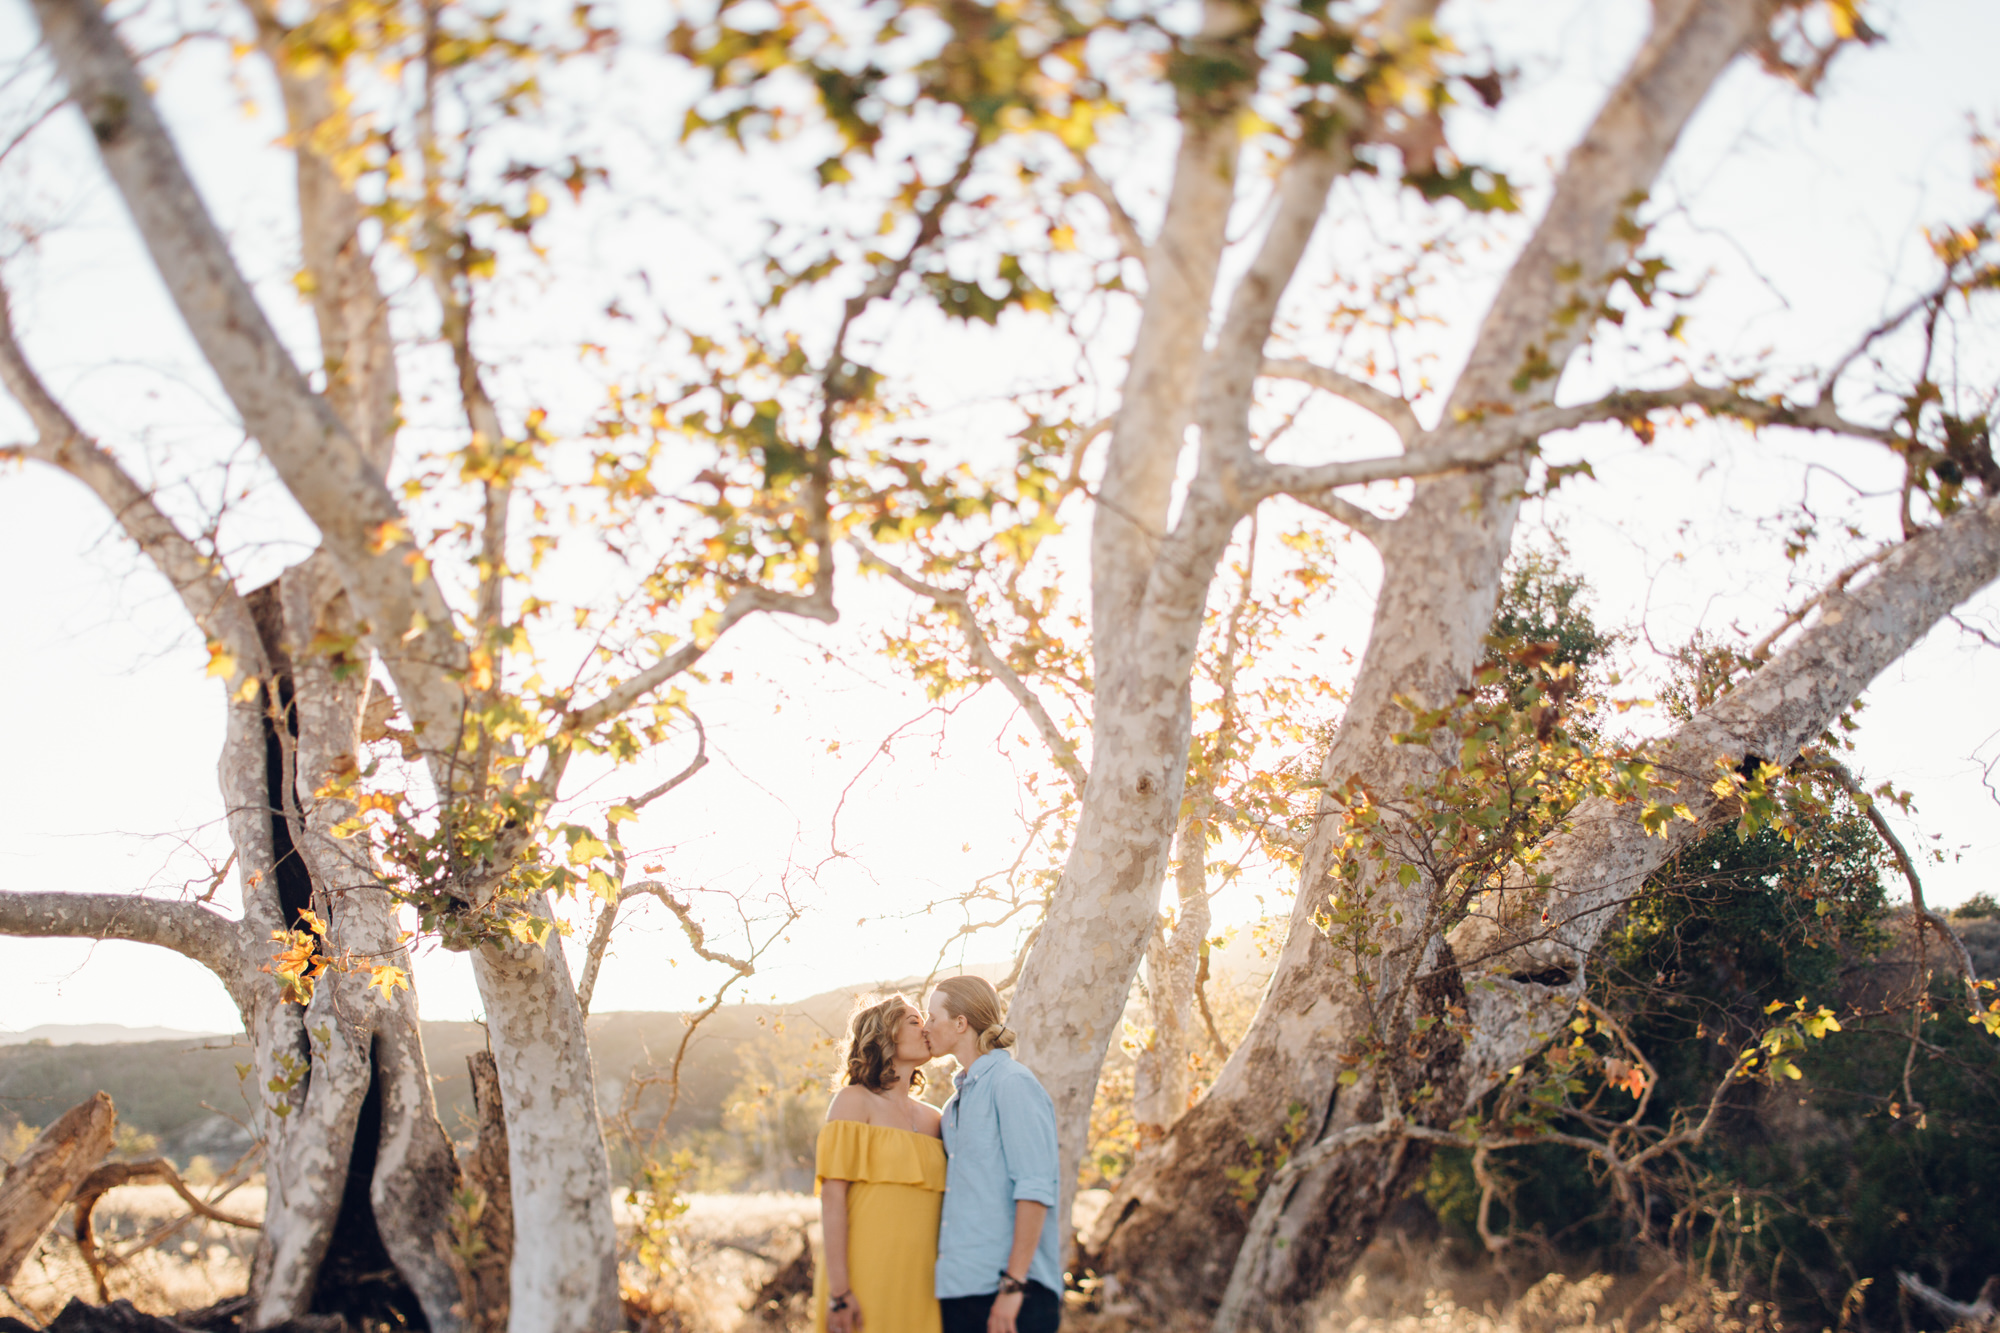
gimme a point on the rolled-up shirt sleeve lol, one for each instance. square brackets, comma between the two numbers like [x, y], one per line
[1028, 1139]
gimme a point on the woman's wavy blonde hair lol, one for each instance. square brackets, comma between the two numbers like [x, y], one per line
[974, 1000]
[871, 1043]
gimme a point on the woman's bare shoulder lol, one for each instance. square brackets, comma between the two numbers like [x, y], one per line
[852, 1102]
[931, 1119]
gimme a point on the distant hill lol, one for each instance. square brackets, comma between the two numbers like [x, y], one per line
[186, 1089]
[96, 1034]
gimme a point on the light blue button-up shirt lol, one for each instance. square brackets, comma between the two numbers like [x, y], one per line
[1000, 1139]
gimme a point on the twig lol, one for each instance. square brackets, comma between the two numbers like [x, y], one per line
[959, 606]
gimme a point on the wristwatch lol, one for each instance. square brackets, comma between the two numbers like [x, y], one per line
[1011, 1285]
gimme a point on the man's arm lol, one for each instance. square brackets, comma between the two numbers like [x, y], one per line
[1027, 1120]
[1028, 1216]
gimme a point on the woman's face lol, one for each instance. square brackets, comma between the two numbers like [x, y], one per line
[911, 1048]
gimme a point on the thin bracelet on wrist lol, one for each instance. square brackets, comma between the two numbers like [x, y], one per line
[1011, 1285]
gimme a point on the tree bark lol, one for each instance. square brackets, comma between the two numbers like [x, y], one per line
[41, 1181]
[1174, 1226]
[1160, 1077]
[367, 1100]
[489, 1236]
[567, 1280]
[327, 466]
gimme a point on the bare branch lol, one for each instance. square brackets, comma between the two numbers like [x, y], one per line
[206, 592]
[1907, 864]
[1396, 411]
[1130, 243]
[1483, 439]
[696, 937]
[817, 605]
[1981, 1314]
[1633, 404]
[1761, 652]
[600, 935]
[113, 1174]
[1346, 512]
[209, 938]
[1215, 1041]
[1448, 455]
[959, 607]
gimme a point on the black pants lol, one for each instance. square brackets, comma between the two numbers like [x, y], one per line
[1041, 1312]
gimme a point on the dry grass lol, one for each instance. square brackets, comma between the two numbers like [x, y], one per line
[156, 1265]
[1404, 1286]
[733, 1249]
[730, 1248]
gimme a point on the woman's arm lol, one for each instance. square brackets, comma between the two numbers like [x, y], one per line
[833, 1226]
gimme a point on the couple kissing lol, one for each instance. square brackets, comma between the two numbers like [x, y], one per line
[937, 1222]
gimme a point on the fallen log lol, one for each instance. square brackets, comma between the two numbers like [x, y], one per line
[42, 1180]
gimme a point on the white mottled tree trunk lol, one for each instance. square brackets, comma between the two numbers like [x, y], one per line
[1160, 1080]
[565, 1274]
[329, 451]
[1174, 1226]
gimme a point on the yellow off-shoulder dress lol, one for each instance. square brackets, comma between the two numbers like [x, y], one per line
[895, 1196]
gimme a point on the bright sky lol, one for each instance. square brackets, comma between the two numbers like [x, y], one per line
[1805, 212]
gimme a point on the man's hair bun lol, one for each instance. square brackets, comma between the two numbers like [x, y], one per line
[974, 1000]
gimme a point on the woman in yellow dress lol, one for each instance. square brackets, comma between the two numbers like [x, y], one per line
[881, 1182]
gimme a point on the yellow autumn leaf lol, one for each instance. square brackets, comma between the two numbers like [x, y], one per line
[386, 978]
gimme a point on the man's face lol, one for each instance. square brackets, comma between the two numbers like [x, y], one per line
[940, 1032]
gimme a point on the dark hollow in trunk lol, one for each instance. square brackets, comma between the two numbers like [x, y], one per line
[357, 1279]
[295, 888]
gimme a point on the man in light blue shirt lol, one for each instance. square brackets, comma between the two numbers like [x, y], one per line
[998, 1267]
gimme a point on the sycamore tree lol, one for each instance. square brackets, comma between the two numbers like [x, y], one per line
[1448, 895]
[1459, 843]
[409, 706]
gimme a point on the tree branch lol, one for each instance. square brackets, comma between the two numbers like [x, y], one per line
[696, 937]
[1633, 404]
[336, 484]
[442, 257]
[113, 1174]
[1605, 853]
[1397, 412]
[1135, 493]
[1346, 512]
[193, 932]
[600, 935]
[1907, 864]
[206, 592]
[1549, 303]
[817, 605]
[959, 607]
[356, 348]
[1130, 243]
[1491, 437]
